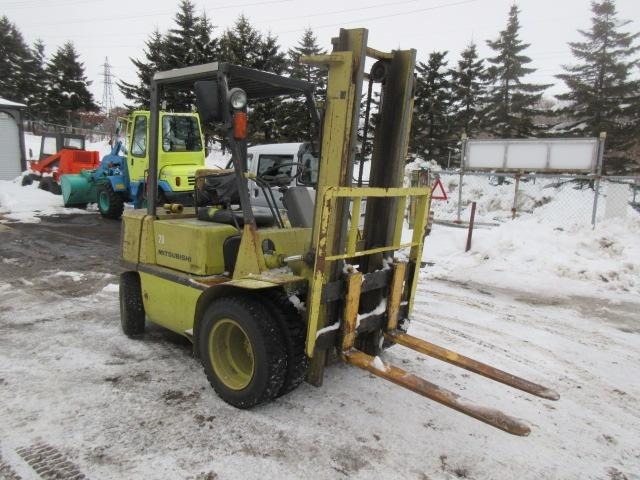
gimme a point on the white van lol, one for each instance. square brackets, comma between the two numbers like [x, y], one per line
[274, 162]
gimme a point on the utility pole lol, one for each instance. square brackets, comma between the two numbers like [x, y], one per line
[108, 103]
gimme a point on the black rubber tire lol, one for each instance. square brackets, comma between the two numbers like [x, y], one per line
[267, 344]
[115, 205]
[27, 179]
[131, 307]
[294, 332]
[48, 184]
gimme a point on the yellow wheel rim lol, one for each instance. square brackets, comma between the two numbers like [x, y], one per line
[231, 354]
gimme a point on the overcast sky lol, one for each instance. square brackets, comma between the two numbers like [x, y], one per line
[117, 29]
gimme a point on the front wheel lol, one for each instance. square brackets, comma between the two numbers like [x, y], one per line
[110, 203]
[48, 184]
[242, 351]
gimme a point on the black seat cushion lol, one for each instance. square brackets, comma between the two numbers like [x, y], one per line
[220, 189]
[263, 216]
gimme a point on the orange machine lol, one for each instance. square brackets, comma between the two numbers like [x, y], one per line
[60, 154]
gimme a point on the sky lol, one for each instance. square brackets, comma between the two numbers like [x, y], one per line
[117, 29]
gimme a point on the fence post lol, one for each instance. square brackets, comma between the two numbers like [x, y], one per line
[596, 186]
[459, 197]
[514, 209]
[471, 222]
[463, 146]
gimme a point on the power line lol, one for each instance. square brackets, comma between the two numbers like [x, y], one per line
[360, 20]
[124, 17]
[324, 14]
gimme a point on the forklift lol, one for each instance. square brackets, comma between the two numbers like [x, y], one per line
[269, 301]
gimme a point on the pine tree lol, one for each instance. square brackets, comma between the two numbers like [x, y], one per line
[180, 49]
[16, 61]
[68, 86]
[154, 61]
[37, 75]
[206, 45]
[244, 45]
[468, 87]
[603, 96]
[297, 119]
[431, 129]
[190, 42]
[511, 101]
[267, 119]
[241, 44]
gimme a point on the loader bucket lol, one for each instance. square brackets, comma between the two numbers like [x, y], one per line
[78, 190]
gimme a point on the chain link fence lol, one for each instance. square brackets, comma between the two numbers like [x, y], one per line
[560, 199]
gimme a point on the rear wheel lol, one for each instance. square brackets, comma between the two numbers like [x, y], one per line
[110, 203]
[48, 184]
[131, 306]
[242, 351]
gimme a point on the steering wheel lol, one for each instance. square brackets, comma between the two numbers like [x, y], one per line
[271, 176]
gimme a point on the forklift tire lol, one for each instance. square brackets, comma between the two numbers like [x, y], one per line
[110, 203]
[242, 350]
[131, 306]
[294, 332]
[48, 184]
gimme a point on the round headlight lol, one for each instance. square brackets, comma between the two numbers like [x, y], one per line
[237, 98]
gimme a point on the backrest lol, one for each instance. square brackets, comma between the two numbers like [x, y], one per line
[300, 205]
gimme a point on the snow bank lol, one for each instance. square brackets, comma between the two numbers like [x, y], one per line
[217, 158]
[532, 254]
[26, 204]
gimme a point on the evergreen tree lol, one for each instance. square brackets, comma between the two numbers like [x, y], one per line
[511, 101]
[68, 86]
[241, 44]
[206, 45]
[154, 61]
[16, 61]
[184, 45]
[190, 42]
[603, 95]
[468, 83]
[431, 129]
[297, 119]
[244, 45]
[37, 75]
[268, 116]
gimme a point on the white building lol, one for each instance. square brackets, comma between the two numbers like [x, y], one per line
[12, 155]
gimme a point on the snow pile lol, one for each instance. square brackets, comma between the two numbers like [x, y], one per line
[564, 202]
[217, 158]
[532, 253]
[26, 204]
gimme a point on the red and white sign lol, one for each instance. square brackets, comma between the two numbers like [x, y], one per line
[438, 186]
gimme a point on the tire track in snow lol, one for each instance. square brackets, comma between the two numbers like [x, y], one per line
[50, 463]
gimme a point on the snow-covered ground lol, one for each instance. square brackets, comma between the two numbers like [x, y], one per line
[558, 305]
[29, 203]
[76, 392]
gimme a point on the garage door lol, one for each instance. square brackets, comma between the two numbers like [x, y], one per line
[9, 147]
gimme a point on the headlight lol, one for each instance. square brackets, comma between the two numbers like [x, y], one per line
[237, 98]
